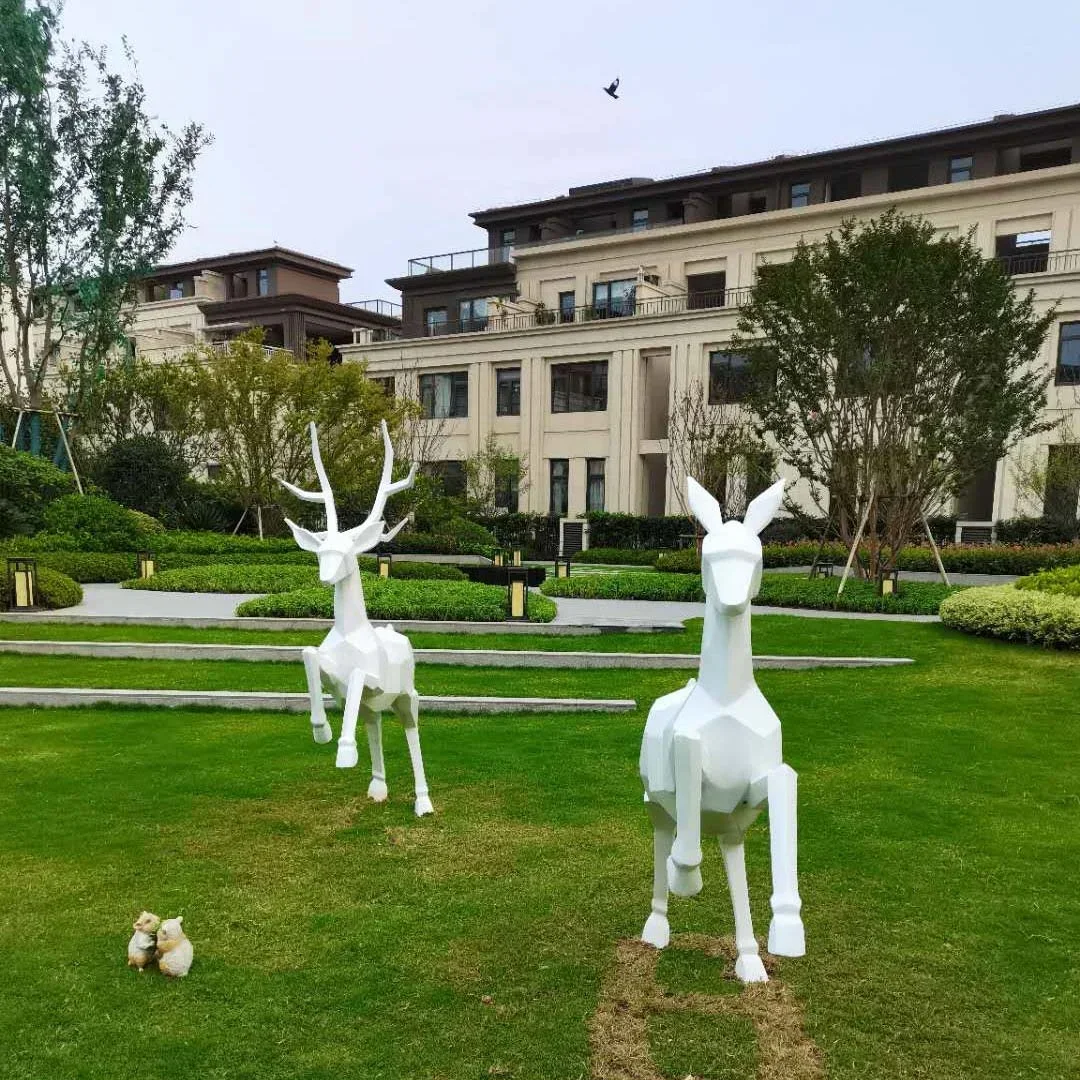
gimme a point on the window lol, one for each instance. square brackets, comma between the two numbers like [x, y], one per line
[705, 290]
[960, 169]
[579, 387]
[435, 320]
[172, 290]
[213, 471]
[262, 282]
[507, 236]
[1024, 253]
[845, 186]
[1068, 363]
[238, 287]
[639, 219]
[976, 501]
[675, 211]
[566, 306]
[723, 206]
[1062, 484]
[450, 474]
[508, 392]
[1044, 158]
[613, 298]
[597, 223]
[444, 396]
[506, 241]
[560, 487]
[908, 175]
[729, 378]
[594, 485]
[472, 315]
[506, 493]
[758, 204]
[385, 383]
[800, 194]
[534, 233]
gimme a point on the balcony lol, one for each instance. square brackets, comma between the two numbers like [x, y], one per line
[386, 308]
[1040, 262]
[459, 260]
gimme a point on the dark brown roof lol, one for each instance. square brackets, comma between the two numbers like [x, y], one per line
[236, 260]
[255, 306]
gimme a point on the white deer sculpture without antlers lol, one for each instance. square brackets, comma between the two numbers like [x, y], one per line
[711, 755]
[367, 668]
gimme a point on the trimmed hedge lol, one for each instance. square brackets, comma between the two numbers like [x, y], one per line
[777, 590]
[443, 600]
[54, 590]
[618, 556]
[1016, 614]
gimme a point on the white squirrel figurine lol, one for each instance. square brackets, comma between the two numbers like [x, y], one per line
[174, 951]
[142, 948]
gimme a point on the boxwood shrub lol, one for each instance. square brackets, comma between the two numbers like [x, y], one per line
[54, 590]
[777, 590]
[1025, 614]
[618, 556]
[445, 600]
[230, 578]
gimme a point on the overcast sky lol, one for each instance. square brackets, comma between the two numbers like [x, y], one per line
[365, 132]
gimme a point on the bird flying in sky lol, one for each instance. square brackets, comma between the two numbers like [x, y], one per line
[610, 90]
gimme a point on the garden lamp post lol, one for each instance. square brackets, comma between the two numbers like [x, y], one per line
[22, 584]
[888, 582]
[562, 566]
[146, 563]
[517, 594]
[384, 560]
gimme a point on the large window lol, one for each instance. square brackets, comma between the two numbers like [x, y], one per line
[845, 186]
[1062, 484]
[262, 282]
[508, 392]
[639, 219]
[385, 383]
[445, 396]
[1068, 362]
[613, 298]
[729, 378]
[594, 485]
[961, 169]
[435, 320]
[800, 194]
[450, 474]
[560, 487]
[566, 306]
[579, 387]
[472, 315]
[908, 175]
[1024, 253]
[506, 493]
[705, 290]
[758, 204]
[172, 290]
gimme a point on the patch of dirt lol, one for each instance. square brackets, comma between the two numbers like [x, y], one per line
[619, 1029]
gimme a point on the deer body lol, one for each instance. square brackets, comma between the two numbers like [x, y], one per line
[711, 755]
[367, 669]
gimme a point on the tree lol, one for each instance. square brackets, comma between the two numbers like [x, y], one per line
[92, 194]
[889, 366]
[716, 443]
[489, 471]
[255, 406]
[144, 473]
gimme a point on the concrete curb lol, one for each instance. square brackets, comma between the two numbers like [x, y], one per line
[53, 697]
[131, 650]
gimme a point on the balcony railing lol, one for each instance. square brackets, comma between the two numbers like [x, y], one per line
[378, 307]
[459, 260]
[1040, 262]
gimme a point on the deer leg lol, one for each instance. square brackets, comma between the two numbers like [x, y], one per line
[684, 863]
[786, 934]
[377, 790]
[407, 708]
[748, 965]
[320, 728]
[346, 744]
[657, 932]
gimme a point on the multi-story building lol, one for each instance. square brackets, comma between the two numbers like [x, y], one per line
[571, 333]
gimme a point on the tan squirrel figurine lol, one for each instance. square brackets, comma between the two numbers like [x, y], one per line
[174, 950]
[142, 948]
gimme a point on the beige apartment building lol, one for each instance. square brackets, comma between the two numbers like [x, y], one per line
[572, 334]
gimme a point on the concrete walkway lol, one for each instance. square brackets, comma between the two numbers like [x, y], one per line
[146, 604]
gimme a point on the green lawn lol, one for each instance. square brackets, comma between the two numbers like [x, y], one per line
[335, 939]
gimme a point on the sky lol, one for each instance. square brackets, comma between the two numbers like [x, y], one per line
[365, 132]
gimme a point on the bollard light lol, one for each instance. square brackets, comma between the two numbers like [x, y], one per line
[384, 559]
[562, 566]
[516, 557]
[146, 564]
[22, 585]
[888, 582]
[498, 559]
[517, 594]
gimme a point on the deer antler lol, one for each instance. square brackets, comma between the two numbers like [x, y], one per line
[386, 488]
[325, 495]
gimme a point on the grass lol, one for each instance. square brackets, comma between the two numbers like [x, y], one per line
[780, 634]
[939, 845]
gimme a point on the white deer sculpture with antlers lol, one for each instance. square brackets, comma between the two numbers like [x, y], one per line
[711, 756]
[367, 668]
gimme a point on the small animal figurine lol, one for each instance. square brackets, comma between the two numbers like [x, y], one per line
[142, 948]
[174, 951]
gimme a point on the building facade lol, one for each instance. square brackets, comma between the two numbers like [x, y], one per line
[571, 336]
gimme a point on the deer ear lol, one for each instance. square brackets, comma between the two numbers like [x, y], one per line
[309, 541]
[703, 506]
[762, 510]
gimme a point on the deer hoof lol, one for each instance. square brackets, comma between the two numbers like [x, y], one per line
[683, 881]
[346, 756]
[423, 806]
[657, 932]
[321, 732]
[749, 968]
[787, 936]
[377, 791]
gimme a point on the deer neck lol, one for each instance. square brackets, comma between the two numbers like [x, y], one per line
[726, 670]
[350, 613]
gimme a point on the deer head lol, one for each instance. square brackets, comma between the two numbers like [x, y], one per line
[731, 550]
[337, 550]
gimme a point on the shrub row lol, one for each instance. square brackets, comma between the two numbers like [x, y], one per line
[618, 556]
[1065, 581]
[54, 590]
[1016, 614]
[778, 590]
[458, 601]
